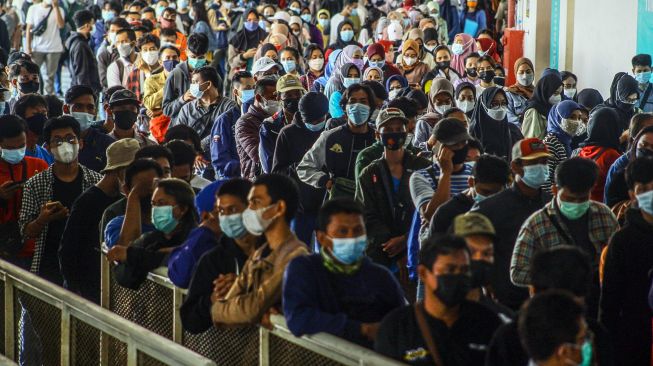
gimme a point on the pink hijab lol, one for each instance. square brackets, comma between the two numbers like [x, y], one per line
[469, 46]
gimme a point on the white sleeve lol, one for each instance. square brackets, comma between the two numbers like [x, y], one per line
[421, 189]
[113, 75]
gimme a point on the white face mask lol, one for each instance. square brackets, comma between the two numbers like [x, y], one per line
[497, 114]
[254, 222]
[466, 105]
[66, 153]
[410, 61]
[316, 63]
[442, 108]
[569, 93]
[393, 93]
[525, 79]
[125, 49]
[271, 106]
[150, 57]
[571, 126]
[555, 99]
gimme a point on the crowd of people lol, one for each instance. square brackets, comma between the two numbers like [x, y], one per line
[361, 167]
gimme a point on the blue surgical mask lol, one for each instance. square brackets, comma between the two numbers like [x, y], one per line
[378, 64]
[84, 119]
[195, 91]
[572, 210]
[354, 12]
[196, 63]
[349, 250]
[232, 225]
[13, 156]
[347, 82]
[169, 65]
[535, 176]
[289, 65]
[306, 17]
[643, 77]
[246, 95]
[457, 49]
[479, 197]
[108, 15]
[644, 200]
[315, 127]
[163, 219]
[323, 22]
[358, 113]
[347, 35]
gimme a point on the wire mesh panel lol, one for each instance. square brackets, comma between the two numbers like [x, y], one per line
[39, 330]
[283, 352]
[84, 343]
[2, 318]
[229, 346]
[117, 352]
[146, 360]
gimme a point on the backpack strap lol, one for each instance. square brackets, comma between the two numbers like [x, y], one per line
[426, 334]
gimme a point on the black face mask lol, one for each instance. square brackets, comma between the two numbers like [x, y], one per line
[36, 122]
[481, 273]
[459, 155]
[500, 80]
[472, 72]
[643, 153]
[124, 119]
[29, 87]
[486, 76]
[452, 289]
[443, 64]
[291, 105]
[393, 140]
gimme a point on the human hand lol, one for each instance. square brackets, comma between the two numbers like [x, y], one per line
[369, 330]
[52, 211]
[8, 189]
[445, 156]
[141, 190]
[266, 321]
[221, 285]
[249, 53]
[117, 253]
[394, 246]
[188, 97]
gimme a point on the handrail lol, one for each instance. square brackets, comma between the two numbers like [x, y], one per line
[137, 338]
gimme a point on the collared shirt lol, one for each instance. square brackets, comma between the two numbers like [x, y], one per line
[93, 154]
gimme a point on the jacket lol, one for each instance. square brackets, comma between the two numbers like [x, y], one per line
[105, 57]
[224, 154]
[258, 287]
[201, 118]
[292, 144]
[177, 84]
[153, 91]
[616, 189]
[268, 135]
[534, 124]
[388, 213]
[247, 140]
[604, 158]
[333, 155]
[82, 64]
[367, 156]
[184, 258]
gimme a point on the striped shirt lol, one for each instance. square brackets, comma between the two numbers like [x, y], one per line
[558, 155]
[422, 183]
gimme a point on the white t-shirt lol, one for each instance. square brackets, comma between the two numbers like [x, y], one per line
[50, 41]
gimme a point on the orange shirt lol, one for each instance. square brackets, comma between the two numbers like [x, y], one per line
[182, 42]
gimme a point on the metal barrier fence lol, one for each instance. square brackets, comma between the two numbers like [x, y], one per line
[52, 326]
[155, 306]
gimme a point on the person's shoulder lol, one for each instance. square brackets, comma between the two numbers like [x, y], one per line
[479, 313]
[35, 165]
[377, 271]
[303, 263]
[402, 315]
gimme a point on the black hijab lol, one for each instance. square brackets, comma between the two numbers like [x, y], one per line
[244, 39]
[460, 88]
[339, 43]
[603, 129]
[622, 86]
[495, 136]
[589, 98]
[544, 89]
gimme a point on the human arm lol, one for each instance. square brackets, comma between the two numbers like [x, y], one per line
[524, 250]
[224, 155]
[184, 258]
[113, 74]
[173, 99]
[614, 283]
[311, 170]
[131, 226]
[28, 31]
[531, 126]
[443, 191]
[61, 22]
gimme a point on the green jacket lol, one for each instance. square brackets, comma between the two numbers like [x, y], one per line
[368, 155]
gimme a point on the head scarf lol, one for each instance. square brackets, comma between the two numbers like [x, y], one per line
[339, 43]
[279, 28]
[439, 85]
[589, 98]
[623, 85]
[328, 14]
[347, 55]
[340, 71]
[517, 88]
[409, 44]
[370, 68]
[561, 110]
[328, 70]
[381, 26]
[375, 49]
[603, 129]
[402, 80]
[494, 135]
[465, 85]
[244, 39]
[415, 34]
[488, 46]
[469, 46]
[332, 6]
[430, 34]
[544, 89]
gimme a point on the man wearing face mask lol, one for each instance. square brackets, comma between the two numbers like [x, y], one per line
[507, 210]
[642, 72]
[445, 329]
[108, 51]
[24, 76]
[370, 290]
[119, 70]
[256, 293]
[569, 219]
[485, 72]
[33, 109]
[123, 106]
[48, 196]
[82, 65]
[289, 92]
[80, 102]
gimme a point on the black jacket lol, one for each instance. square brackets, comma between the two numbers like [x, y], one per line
[445, 214]
[82, 64]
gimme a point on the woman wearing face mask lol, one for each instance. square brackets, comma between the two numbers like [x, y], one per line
[564, 122]
[490, 125]
[440, 100]
[289, 58]
[324, 25]
[350, 54]
[366, 36]
[173, 217]
[488, 46]
[587, 99]
[410, 66]
[201, 23]
[424, 56]
[473, 18]
[267, 50]
[521, 91]
[624, 95]
[314, 58]
[376, 57]
[345, 36]
[349, 75]
[442, 68]
[298, 31]
[466, 98]
[569, 82]
[373, 73]
[243, 45]
[320, 83]
[547, 93]
[463, 45]
[394, 85]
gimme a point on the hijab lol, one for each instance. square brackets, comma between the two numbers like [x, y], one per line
[439, 85]
[559, 111]
[544, 89]
[469, 46]
[622, 86]
[462, 86]
[589, 98]
[602, 129]
[489, 47]
[402, 80]
[494, 135]
[343, 58]
[370, 68]
[339, 43]
[410, 44]
[245, 40]
[328, 70]
[517, 88]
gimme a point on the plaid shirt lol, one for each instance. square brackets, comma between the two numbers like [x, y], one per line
[538, 232]
[36, 193]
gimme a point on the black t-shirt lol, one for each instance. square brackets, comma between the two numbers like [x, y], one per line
[465, 343]
[66, 193]
[445, 214]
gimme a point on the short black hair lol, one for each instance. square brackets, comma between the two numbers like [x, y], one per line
[566, 74]
[11, 126]
[263, 83]
[488, 59]
[198, 43]
[186, 133]
[184, 196]
[577, 174]
[406, 105]
[308, 51]
[113, 6]
[639, 170]
[642, 59]
[451, 111]
[138, 166]
[547, 321]
[334, 207]
[237, 187]
[120, 22]
[169, 48]
[130, 34]
[240, 75]
[292, 50]
[377, 88]
[354, 88]
[440, 245]
[16, 67]
[28, 101]
[474, 143]
[442, 47]
[83, 17]
[59, 123]
[148, 9]
[281, 187]
[564, 268]
[637, 123]
[149, 38]
[77, 91]
[55, 105]
[155, 152]
[183, 152]
[472, 55]
[491, 169]
[209, 73]
[419, 97]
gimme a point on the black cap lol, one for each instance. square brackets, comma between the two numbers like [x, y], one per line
[450, 131]
[313, 106]
[18, 56]
[123, 96]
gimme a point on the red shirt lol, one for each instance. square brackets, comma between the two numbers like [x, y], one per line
[604, 158]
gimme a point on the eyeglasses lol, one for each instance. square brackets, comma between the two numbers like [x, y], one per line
[498, 105]
[58, 141]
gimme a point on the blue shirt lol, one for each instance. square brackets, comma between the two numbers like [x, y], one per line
[41, 153]
[183, 259]
[112, 231]
[224, 156]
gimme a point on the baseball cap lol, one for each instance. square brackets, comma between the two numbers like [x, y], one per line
[472, 223]
[123, 96]
[450, 131]
[530, 149]
[388, 114]
[120, 154]
[263, 64]
[289, 82]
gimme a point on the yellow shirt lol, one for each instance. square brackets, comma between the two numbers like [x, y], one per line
[153, 91]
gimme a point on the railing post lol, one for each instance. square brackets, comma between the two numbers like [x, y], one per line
[65, 335]
[105, 303]
[10, 339]
[177, 300]
[132, 353]
[264, 347]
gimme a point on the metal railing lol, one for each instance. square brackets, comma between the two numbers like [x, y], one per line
[155, 306]
[69, 330]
